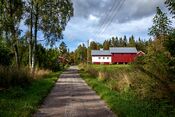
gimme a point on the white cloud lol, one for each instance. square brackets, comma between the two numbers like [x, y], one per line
[134, 18]
[93, 18]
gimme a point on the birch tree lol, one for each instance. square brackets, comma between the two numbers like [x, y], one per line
[10, 16]
[50, 17]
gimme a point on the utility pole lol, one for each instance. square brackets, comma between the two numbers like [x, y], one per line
[87, 49]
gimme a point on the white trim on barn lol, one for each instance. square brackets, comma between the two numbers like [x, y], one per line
[101, 59]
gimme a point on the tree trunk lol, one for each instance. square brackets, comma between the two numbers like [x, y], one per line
[17, 56]
[35, 40]
[31, 36]
[14, 38]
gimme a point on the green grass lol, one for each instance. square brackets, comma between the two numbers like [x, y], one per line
[126, 103]
[23, 102]
[111, 67]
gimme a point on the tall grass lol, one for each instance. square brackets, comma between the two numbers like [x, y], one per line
[126, 103]
[40, 73]
[11, 76]
[123, 77]
[128, 91]
[24, 101]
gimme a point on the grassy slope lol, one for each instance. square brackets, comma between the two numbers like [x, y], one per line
[22, 102]
[126, 103]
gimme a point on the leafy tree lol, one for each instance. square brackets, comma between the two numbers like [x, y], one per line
[52, 60]
[51, 22]
[42, 57]
[159, 62]
[23, 51]
[11, 15]
[170, 43]
[5, 54]
[161, 24]
[81, 54]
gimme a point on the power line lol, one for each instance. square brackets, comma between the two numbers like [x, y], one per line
[113, 17]
[110, 13]
[113, 14]
[106, 15]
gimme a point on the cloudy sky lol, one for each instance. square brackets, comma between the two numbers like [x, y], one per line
[101, 19]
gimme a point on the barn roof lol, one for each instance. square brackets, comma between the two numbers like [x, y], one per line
[100, 52]
[123, 50]
[114, 50]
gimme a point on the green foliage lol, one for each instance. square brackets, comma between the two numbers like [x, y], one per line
[24, 102]
[5, 54]
[51, 22]
[51, 60]
[170, 43]
[93, 45]
[132, 42]
[171, 6]
[81, 54]
[10, 16]
[127, 103]
[106, 45]
[63, 48]
[161, 24]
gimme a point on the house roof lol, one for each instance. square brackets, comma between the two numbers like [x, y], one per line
[100, 52]
[123, 50]
[114, 50]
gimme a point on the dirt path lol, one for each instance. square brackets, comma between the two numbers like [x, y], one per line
[72, 97]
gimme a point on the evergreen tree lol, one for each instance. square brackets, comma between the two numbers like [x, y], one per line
[161, 24]
[171, 6]
[106, 45]
[63, 49]
[131, 42]
[93, 45]
[125, 43]
[114, 41]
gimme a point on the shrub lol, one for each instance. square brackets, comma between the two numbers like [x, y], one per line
[11, 76]
[5, 54]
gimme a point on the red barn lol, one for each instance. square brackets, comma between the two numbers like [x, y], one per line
[114, 55]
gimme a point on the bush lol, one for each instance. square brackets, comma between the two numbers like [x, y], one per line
[11, 76]
[5, 54]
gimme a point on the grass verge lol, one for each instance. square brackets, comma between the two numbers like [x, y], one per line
[23, 102]
[126, 103]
